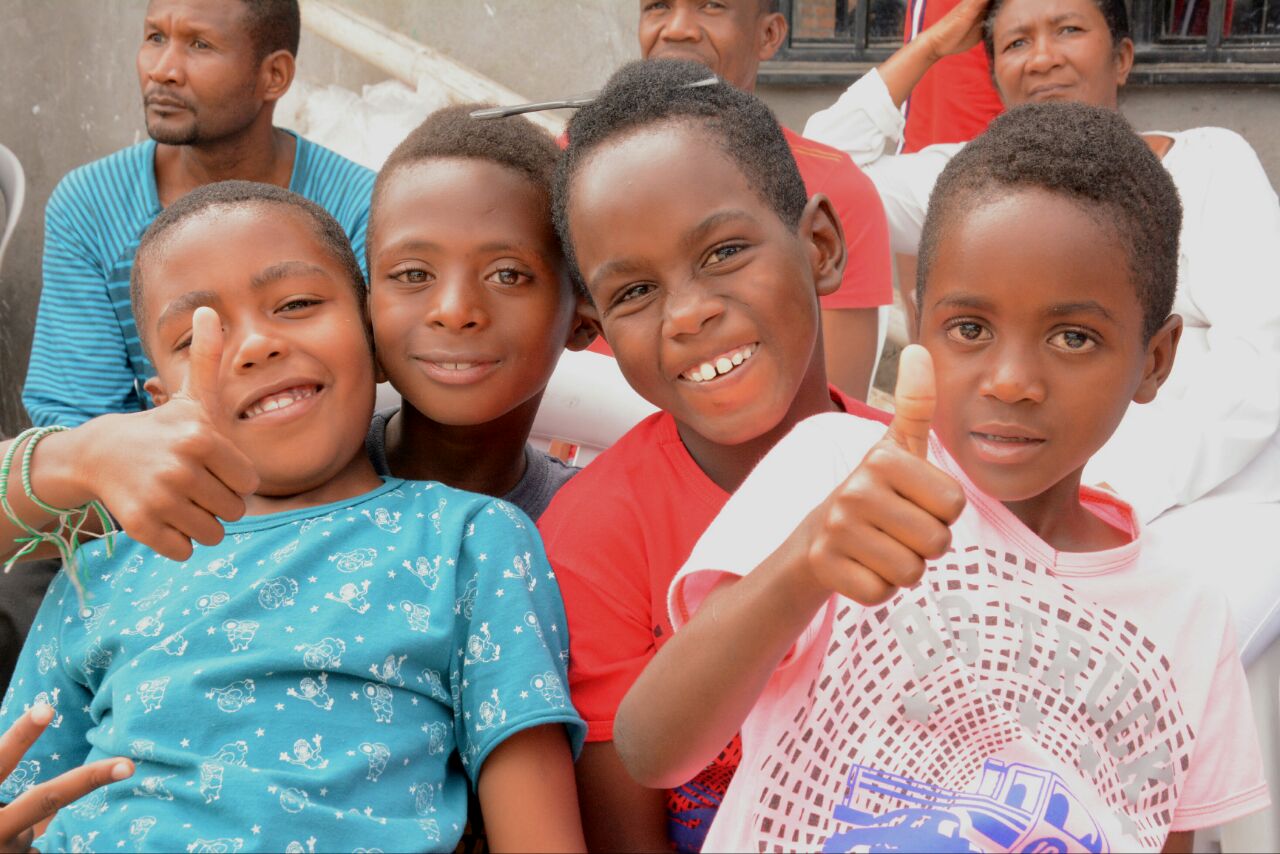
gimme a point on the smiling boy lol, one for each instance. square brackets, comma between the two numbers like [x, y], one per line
[357, 652]
[689, 226]
[944, 640]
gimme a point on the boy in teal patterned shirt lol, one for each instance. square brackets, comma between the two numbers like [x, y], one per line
[331, 673]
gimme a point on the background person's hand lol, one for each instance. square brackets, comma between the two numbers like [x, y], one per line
[169, 474]
[958, 30]
[19, 819]
[874, 533]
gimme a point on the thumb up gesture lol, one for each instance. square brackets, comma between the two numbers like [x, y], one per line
[874, 533]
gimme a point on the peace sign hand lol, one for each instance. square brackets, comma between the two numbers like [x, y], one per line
[874, 533]
[19, 819]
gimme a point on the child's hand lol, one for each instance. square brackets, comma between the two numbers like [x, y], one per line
[19, 819]
[874, 533]
[169, 474]
[958, 30]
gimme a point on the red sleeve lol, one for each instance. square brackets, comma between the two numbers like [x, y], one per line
[868, 276]
[597, 554]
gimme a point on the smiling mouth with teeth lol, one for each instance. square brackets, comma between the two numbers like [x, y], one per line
[720, 365]
[279, 400]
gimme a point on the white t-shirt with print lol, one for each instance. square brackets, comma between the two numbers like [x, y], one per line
[1017, 695]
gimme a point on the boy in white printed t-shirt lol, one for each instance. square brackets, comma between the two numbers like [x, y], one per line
[1042, 688]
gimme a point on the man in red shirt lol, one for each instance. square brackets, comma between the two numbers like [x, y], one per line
[956, 99]
[732, 38]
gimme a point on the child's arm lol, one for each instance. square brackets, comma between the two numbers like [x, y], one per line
[1179, 842]
[35, 806]
[870, 536]
[527, 793]
[167, 475]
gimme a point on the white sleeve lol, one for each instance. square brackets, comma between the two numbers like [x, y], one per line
[863, 122]
[795, 477]
[1221, 405]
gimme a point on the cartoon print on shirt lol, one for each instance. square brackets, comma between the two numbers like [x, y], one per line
[151, 693]
[222, 567]
[215, 846]
[232, 753]
[306, 754]
[419, 616]
[511, 513]
[380, 699]
[79, 844]
[377, 753]
[325, 654]
[91, 616]
[491, 713]
[466, 603]
[531, 622]
[240, 633]
[296, 847]
[211, 781]
[155, 597]
[437, 736]
[424, 796]
[130, 567]
[389, 672]
[313, 691]
[90, 806]
[142, 749]
[277, 592]
[50, 699]
[385, 519]
[233, 697]
[23, 777]
[435, 685]
[550, 687]
[481, 648]
[95, 658]
[427, 571]
[522, 568]
[436, 515]
[294, 800]
[354, 560]
[149, 626]
[47, 656]
[283, 553]
[352, 596]
[154, 787]
[174, 644]
[139, 828]
[307, 524]
[212, 601]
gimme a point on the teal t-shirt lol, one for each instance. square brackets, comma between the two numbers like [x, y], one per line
[323, 680]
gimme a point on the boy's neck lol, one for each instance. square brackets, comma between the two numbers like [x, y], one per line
[729, 465]
[353, 480]
[484, 458]
[1059, 518]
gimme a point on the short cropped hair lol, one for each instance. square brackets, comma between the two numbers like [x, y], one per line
[657, 91]
[1086, 154]
[514, 142]
[241, 194]
[1113, 11]
[273, 25]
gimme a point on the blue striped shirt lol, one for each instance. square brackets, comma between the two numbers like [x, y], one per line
[86, 359]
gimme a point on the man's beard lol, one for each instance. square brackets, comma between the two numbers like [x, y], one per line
[186, 135]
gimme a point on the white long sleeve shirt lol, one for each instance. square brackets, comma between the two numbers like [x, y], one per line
[1215, 425]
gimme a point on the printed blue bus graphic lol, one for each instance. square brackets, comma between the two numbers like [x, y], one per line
[1017, 807]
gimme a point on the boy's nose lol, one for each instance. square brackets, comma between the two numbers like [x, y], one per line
[456, 307]
[1013, 378]
[257, 349]
[687, 309]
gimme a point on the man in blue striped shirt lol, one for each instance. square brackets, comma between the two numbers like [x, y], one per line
[211, 72]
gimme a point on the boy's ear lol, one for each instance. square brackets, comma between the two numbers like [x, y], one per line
[823, 235]
[155, 388]
[585, 325]
[1159, 361]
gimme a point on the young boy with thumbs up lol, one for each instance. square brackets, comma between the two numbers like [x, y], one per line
[356, 653]
[936, 638]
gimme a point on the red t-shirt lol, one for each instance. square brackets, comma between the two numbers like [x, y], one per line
[955, 100]
[868, 277]
[616, 535]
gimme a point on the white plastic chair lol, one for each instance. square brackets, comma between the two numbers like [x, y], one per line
[13, 186]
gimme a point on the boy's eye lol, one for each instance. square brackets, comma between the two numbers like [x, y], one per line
[412, 276]
[969, 332]
[509, 276]
[724, 253]
[1074, 340]
[299, 304]
[633, 293]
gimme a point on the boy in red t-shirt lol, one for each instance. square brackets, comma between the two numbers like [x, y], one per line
[688, 224]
